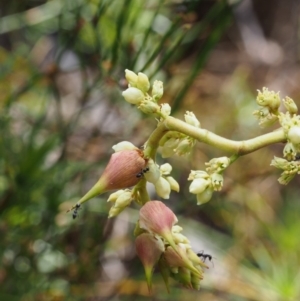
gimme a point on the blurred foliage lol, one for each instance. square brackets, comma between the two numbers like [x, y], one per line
[61, 76]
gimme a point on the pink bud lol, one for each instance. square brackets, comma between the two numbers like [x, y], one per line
[119, 173]
[122, 169]
[156, 217]
[149, 250]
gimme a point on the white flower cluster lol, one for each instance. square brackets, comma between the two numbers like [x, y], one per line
[291, 127]
[290, 169]
[160, 177]
[270, 103]
[204, 183]
[137, 94]
[121, 199]
[177, 143]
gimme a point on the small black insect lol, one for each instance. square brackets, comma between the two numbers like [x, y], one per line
[139, 175]
[75, 212]
[204, 256]
[143, 171]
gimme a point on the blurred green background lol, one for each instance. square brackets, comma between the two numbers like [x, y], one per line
[61, 76]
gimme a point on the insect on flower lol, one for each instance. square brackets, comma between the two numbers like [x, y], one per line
[75, 212]
[143, 171]
[204, 256]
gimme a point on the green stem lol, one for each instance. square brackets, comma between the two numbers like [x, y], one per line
[153, 142]
[97, 189]
[237, 148]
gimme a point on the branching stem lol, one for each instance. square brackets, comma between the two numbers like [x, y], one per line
[237, 148]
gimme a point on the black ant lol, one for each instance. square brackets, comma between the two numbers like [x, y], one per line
[143, 171]
[204, 256]
[75, 212]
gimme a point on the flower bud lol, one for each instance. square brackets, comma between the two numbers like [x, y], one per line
[217, 165]
[279, 163]
[199, 185]
[288, 122]
[124, 199]
[157, 218]
[290, 169]
[143, 82]
[204, 196]
[289, 151]
[268, 99]
[165, 169]
[176, 229]
[194, 258]
[131, 77]
[191, 119]
[173, 183]
[285, 178]
[180, 259]
[183, 276]
[164, 271]
[294, 135]
[180, 238]
[149, 107]
[149, 250]
[157, 90]
[133, 95]
[165, 110]
[195, 280]
[265, 117]
[198, 174]
[119, 173]
[114, 211]
[217, 181]
[122, 168]
[163, 188]
[185, 146]
[153, 174]
[261, 113]
[124, 145]
[290, 105]
[268, 120]
[114, 196]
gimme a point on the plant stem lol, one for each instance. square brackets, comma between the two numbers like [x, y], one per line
[238, 148]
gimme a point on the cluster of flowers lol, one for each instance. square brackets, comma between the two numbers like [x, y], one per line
[290, 122]
[291, 164]
[270, 103]
[159, 242]
[204, 183]
[158, 239]
[137, 94]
